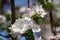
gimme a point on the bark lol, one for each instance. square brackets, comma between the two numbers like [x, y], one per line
[52, 22]
[13, 11]
[52, 19]
[12, 17]
[1, 7]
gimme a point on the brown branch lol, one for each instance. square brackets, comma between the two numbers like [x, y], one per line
[13, 11]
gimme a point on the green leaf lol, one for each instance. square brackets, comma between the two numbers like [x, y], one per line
[2, 29]
[1, 24]
[41, 1]
[7, 16]
[28, 35]
[58, 22]
[9, 25]
[1, 39]
[5, 28]
[19, 15]
[36, 17]
[47, 5]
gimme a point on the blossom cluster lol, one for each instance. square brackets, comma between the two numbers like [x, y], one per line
[35, 9]
[26, 22]
[23, 24]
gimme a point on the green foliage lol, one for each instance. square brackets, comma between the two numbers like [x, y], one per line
[28, 35]
[8, 25]
[1, 39]
[47, 5]
[36, 17]
[2, 29]
[5, 28]
[58, 22]
[1, 24]
[41, 1]
[19, 15]
[43, 19]
[7, 16]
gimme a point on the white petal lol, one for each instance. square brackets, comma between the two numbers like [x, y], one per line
[22, 9]
[16, 30]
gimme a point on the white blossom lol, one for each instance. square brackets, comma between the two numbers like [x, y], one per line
[22, 10]
[9, 11]
[31, 11]
[52, 37]
[21, 25]
[58, 29]
[38, 9]
[26, 22]
[58, 35]
[2, 18]
[36, 28]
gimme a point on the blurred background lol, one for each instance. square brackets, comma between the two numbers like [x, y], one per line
[52, 24]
